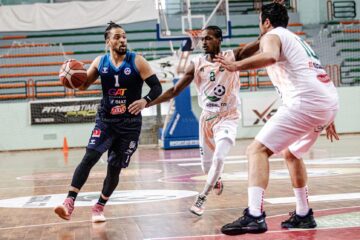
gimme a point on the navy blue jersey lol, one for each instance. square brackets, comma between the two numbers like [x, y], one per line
[120, 86]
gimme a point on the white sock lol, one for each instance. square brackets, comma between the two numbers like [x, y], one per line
[256, 200]
[302, 203]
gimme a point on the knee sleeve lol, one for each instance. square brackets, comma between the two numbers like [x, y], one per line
[222, 149]
[111, 181]
[83, 169]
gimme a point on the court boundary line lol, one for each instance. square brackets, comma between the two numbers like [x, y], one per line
[275, 231]
[150, 215]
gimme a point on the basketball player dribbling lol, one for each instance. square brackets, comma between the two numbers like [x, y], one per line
[218, 96]
[118, 120]
[310, 103]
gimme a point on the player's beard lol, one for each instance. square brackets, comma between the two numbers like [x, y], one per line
[121, 50]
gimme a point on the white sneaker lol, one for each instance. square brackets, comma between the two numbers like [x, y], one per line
[98, 213]
[198, 207]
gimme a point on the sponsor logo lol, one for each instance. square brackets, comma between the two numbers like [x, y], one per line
[323, 78]
[184, 143]
[132, 144]
[104, 70]
[70, 108]
[212, 105]
[202, 69]
[89, 198]
[315, 65]
[44, 120]
[118, 110]
[118, 101]
[265, 115]
[88, 113]
[127, 71]
[131, 149]
[64, 111]
[92, 141]
[218, 92]
[96, 133]
[221, 69]
[117, 91]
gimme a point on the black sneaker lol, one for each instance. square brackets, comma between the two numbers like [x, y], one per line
[246, 224]
[296, 221]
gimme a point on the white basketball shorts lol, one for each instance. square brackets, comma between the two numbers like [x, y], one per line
[294, 129]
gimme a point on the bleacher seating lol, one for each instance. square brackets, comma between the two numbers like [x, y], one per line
[31, 60]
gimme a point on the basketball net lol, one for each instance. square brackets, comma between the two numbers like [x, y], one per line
[195, 37]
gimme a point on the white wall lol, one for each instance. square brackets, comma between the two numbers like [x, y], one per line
[321, 7]
[309, 11]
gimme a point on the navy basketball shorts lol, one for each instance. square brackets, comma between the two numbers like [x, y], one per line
[120, 139]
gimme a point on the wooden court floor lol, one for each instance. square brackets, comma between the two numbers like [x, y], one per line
[156, 191]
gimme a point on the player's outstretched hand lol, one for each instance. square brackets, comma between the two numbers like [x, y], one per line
[228, 65]
[331, 132]
[136, 107]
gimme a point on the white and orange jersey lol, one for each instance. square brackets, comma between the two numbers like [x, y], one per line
[218, 89]
[299, 77]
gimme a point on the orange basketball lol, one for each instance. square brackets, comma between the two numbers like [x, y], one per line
[72, 74]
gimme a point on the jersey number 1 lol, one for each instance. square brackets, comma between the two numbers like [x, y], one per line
[116, 80]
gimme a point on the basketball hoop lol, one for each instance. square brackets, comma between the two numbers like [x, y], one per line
[195, 37]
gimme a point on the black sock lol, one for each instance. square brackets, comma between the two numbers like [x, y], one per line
[72, 195]
[102, 201]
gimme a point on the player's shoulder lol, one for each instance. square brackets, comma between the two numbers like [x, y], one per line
[197, 58]
[228, 53]
[278, 32]
[138, 58]
[96, 62]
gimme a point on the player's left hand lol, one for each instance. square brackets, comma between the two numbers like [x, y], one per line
[136, 107]
[331, 132]
[228, 65]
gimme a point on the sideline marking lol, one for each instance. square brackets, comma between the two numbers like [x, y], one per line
[320, 161]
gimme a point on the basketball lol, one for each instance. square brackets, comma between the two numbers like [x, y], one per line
[72, 74]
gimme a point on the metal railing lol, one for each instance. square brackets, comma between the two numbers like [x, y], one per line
[341, 10]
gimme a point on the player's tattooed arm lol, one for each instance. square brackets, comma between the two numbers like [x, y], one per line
[179, 86]
[92, 74]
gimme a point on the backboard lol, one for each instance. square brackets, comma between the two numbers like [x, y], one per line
[177, 17]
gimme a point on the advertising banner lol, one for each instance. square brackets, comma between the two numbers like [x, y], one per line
[257, 111]
[63, 111]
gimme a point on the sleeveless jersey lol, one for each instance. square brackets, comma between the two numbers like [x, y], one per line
[120, 87]
[218, 89]
[298, 76]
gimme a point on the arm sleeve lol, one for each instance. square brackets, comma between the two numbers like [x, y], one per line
[155, 88]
